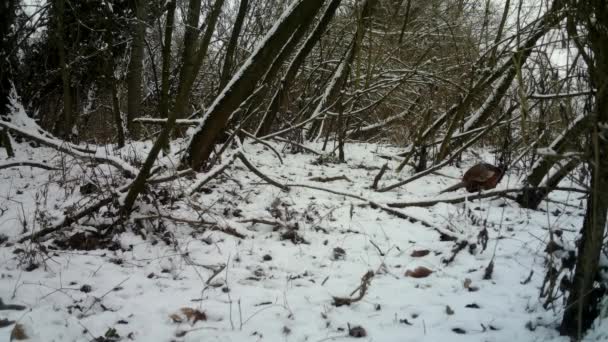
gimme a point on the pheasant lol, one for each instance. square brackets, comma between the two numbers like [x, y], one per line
[479, 177]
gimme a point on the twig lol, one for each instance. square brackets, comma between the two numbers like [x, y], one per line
[259, 173]
[71, 150]
[329, 179]
[365, 282]
[212, 174]
[379, 176]
[68, 220]
[27, 163]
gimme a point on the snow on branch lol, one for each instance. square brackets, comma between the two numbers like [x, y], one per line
[62, 146]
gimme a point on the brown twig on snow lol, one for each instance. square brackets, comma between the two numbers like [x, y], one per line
[365, 282]
[329, 179]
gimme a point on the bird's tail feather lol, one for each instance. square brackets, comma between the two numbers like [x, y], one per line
[454, 187]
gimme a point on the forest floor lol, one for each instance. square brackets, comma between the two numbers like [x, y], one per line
[302, 249]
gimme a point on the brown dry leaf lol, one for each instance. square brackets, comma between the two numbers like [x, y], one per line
[194, 315]
[419, 272]
[420, 253]
[176, 318]
[18, 333]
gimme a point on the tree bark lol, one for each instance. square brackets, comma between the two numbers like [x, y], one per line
[135, 70]
[279, 99]
[7, 18]
[239, 88]
[166, 60]
[232, 44]
[186, 84]
[583, 301]
[67, 121]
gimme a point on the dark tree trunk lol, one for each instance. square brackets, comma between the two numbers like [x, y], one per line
[139, 183]
[239, 88]
[66, 123]
[279, 99]
[7, 18]
[135, 71]
[584, 299]
[166, 63]
[232, 44]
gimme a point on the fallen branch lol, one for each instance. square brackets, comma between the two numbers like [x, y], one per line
[329, 179]
[373, 204]
[467, 197]
[260, 141]
[287, 141]
[62, 146]
[68, 220]
[27, 163]
[212, 173]
[259, 173]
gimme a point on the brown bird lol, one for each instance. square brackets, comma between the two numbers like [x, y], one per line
[479, 177]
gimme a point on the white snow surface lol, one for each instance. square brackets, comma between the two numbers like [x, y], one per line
[272, 289]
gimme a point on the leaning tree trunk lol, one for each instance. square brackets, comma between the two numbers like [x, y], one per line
[135, 71]
[583, 301]
[264, 85]
[279, 98]
[232, 44]
[243, 84]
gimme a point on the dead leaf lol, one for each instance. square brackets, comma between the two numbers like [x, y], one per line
[194, 315]
[419, 272]
[18, 333]
[176, 318]
[420, 253]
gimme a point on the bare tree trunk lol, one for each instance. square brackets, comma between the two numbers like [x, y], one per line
[7, 18]
[67, 120]
[166, 63]
[232, 44]
[192, 57]
[135, 71]
[185, 86]
[242, 85]
[583, 302]
[279, 99]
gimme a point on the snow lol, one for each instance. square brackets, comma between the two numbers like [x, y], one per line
[273, 289]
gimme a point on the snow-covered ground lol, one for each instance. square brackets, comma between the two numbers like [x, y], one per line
[197, 284]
